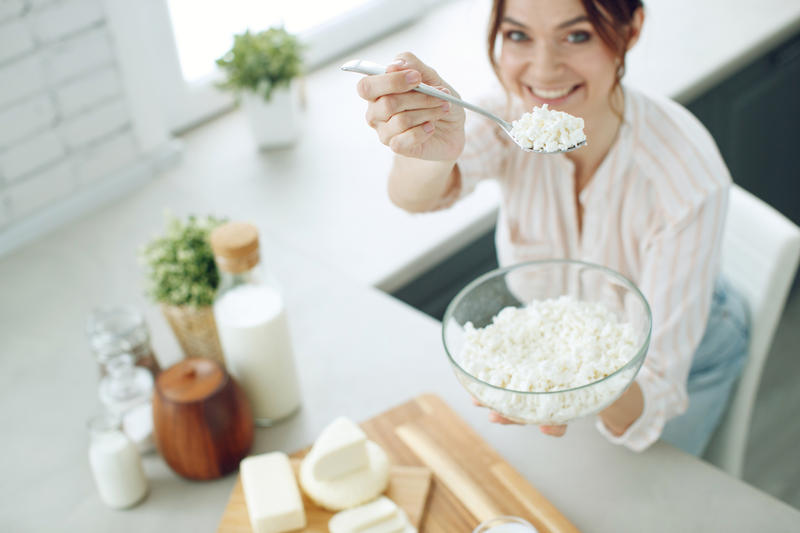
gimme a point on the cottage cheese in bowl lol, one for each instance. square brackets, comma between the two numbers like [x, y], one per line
[547, 130]
[547, 359]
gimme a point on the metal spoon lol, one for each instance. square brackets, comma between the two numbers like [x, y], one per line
[368, 67]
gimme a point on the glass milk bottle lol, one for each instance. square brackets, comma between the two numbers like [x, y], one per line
[251, 321]
[115, 463]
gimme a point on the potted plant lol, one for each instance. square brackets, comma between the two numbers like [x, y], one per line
[183, 278]
[260, 68]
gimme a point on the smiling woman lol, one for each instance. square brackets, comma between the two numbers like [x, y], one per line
[646, 197]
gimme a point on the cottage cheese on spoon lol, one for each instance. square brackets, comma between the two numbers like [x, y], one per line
[548, 130]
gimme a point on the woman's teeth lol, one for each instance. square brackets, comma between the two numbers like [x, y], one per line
[551, 94]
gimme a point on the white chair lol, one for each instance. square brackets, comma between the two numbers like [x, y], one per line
[760, 252]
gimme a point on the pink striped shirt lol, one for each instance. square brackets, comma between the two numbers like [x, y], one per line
[654, 211]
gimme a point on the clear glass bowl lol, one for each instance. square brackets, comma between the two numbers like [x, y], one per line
[505, 524]
[517, 286]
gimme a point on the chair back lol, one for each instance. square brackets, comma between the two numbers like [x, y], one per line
[760, 251]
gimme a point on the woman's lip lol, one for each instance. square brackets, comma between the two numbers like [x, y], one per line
[551, 101]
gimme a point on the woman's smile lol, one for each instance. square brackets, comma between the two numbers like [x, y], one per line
[551, 96]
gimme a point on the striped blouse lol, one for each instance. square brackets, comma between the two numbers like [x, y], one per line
[654, 211]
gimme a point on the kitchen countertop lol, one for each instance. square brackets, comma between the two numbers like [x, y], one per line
[331, 237]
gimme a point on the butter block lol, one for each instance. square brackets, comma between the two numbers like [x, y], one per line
[341, 448]
[270, 490]
[364, 516]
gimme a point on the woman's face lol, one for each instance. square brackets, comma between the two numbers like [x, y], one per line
[552, 55]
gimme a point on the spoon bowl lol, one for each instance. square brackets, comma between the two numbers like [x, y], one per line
[368, 67]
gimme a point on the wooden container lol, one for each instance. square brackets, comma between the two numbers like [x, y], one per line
[202, 420]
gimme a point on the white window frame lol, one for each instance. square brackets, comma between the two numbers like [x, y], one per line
[160, 84]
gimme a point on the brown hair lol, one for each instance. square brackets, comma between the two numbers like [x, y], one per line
[611, 19]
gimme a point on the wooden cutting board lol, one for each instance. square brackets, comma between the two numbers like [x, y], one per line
[408, 488]
[471, 482]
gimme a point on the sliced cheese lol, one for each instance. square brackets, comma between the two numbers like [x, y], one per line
[348, 490]
[341, 448]
[364, 516]
[270, 491]
[396, 524]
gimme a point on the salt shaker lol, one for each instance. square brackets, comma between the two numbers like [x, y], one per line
[115, 463]
[253, 329]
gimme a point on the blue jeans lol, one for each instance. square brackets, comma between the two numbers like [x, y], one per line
[716, 366]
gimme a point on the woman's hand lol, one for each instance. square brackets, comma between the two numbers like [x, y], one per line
[554, 431]
[413, 124]
[619, 416]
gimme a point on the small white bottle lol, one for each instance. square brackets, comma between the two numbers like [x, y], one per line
[115, 462]
[251, 321]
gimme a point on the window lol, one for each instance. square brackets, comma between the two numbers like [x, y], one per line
[186, 36]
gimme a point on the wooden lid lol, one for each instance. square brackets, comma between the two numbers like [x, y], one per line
[235, 246]
[191, 380]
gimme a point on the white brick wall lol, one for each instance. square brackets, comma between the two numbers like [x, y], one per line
[26, 117]
[41, 189]
[20, 78]
[10, 9]
[15, 40]
[77, 55]
[60, 20]
[94, 124]
[65, 124]
[31, 155]
[86, 91]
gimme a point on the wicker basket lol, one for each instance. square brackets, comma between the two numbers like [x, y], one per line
[196, 330]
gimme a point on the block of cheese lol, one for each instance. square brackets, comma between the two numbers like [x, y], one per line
[363, 516]
[341, 448]
[348, 490]
[381, 515]
[396, 524]
[270, 491]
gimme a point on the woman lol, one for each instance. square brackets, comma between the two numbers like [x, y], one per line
[647, 196]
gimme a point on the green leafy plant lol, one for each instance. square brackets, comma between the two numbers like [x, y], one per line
[181, 268]
[261, 62]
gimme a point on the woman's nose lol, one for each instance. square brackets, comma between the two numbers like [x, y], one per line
[545, 61]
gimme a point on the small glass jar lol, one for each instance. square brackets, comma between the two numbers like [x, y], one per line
[115, 463]
[505, 524]
[253, 330]
[125, 385]
[120, 329]
[126, 392]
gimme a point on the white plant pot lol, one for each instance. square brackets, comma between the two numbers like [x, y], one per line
[275, 123]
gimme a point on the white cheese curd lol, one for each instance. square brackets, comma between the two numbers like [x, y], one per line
[548, 130]
[549, 345]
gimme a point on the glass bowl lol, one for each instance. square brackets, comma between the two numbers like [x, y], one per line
[505, 524]
[518, 285]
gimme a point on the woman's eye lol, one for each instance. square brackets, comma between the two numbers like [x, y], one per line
[516, 36]
[578, 37]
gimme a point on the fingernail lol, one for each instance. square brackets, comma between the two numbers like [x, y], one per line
[398, 62]
[428, 127]
[446, 107]
[412, 76]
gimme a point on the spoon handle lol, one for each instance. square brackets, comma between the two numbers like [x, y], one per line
[368, 67]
